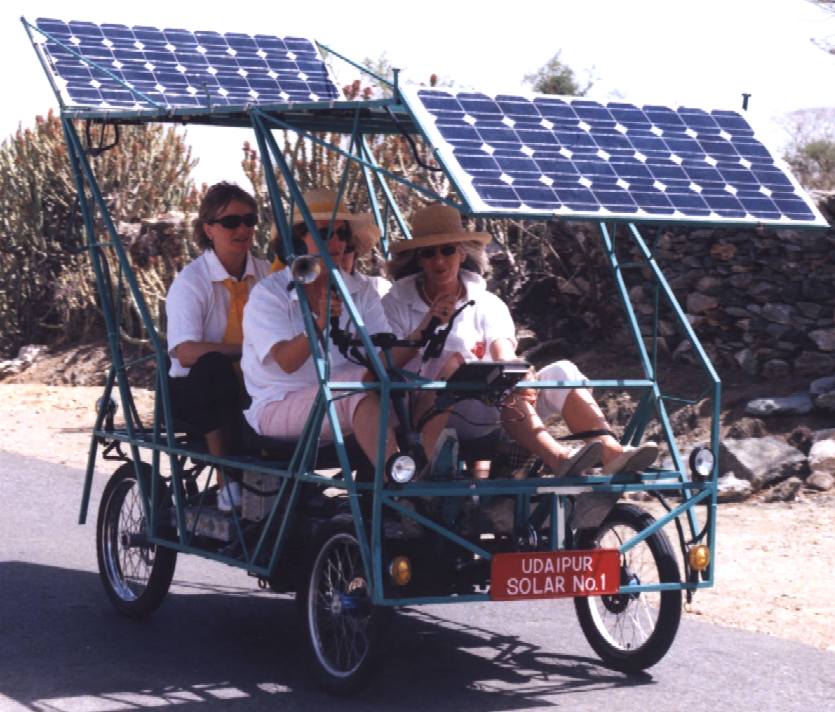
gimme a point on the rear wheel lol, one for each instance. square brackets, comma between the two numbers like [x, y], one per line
[632, 631]
[136, 574]
[343, 628]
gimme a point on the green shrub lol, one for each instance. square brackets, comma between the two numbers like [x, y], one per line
[47, 288]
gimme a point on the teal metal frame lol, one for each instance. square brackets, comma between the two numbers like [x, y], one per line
[161, 446]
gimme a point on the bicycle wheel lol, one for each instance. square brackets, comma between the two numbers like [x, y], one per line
[343, 628]
[632, 631]
[136, 575]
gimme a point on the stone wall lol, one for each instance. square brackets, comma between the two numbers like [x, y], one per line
[763, 300]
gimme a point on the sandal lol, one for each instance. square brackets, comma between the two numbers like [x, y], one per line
[581, 460]
[633, 459]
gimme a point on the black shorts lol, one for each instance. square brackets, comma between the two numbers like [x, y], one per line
[211, 396]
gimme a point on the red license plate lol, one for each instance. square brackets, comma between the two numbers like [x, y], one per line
[554, 574]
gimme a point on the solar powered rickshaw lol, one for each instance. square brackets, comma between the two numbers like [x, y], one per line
[352, 541]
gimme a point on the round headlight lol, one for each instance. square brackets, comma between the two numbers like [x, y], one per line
[400, 570]
[401, 469]
[701, 462]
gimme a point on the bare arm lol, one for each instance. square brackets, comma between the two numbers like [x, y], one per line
[503, 350]
[291, 354]
[189, 352]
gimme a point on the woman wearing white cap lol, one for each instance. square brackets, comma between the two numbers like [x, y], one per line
[438, 271]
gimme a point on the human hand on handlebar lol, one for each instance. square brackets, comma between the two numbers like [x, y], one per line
[319, 306]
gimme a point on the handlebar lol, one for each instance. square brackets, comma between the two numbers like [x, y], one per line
[432, 339]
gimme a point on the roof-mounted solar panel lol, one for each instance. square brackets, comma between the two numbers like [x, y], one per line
[115, 67]
[547, 155]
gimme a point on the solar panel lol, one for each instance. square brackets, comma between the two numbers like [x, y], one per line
[119, 67]
[544, 155]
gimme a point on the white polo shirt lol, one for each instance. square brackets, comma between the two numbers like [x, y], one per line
[273, 314]
[197, 304]
[474, 329]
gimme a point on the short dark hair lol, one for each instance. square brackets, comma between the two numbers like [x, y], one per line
[215, 200]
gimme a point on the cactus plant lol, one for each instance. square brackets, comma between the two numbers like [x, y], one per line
[47, 292]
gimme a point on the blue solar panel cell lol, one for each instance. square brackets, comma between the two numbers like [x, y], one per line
[547, 154]
[176, 68]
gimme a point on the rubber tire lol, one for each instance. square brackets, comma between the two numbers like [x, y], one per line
[666, 625]
[338, 532]
[159, 562]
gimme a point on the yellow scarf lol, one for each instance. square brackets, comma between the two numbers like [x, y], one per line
[239, 293]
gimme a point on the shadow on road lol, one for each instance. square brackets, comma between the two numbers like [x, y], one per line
[63, 647]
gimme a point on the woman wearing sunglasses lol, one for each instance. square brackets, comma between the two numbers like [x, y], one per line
[438, 272]
[204, 309]
[278, 369]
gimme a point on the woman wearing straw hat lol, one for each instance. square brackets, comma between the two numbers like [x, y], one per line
[361, 244]
[277, 365]
[204, 309]
[438, 271]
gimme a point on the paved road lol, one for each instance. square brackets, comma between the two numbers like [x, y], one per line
[219, 644]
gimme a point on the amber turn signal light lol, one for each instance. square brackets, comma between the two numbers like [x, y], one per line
[699, 557]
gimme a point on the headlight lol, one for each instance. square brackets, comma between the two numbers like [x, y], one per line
[400, 570]
[701, 463]
[401, 469]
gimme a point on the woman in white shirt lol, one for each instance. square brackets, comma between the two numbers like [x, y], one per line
[204, 309]
[279, 372]
[438, 271]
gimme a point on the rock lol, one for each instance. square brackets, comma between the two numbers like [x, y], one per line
[779, 313]
[786, 491]
[730, 488]
[822, 455]
[825, 434]
[778, 331]
[809, 309]
[698, 303]
[801, 438]
[821, 481]
[826, 402]
[684, 353]
[760, 460]
[738, 312]
[814, 363]
[11, 367]
[28, 354]
[747, 428]
[747, 361]
[525, 340]
[709, 285]
[741, 281]
[821, 385]
[824, 339]
[795, 404]
[776, 368]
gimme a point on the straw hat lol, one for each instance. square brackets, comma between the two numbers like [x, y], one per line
[321, 203]
[438, 224]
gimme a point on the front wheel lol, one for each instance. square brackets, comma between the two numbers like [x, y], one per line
[632, 631]
[343, 627]
[136, 574]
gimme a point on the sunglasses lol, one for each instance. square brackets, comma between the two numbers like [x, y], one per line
[427, 253]
[230, 222]
[343, 232]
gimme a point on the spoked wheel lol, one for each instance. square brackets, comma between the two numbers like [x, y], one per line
[632, 631]
[342, 625]
[136, 575]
